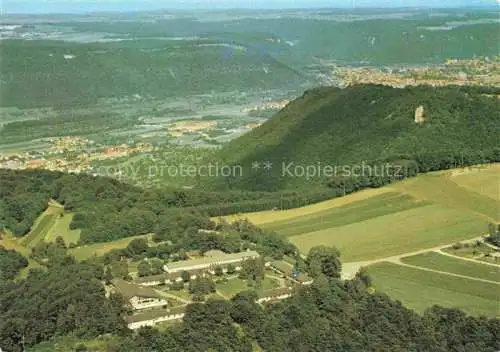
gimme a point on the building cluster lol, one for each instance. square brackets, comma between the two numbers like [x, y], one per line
[478, 71]
[69, 154]
[150, 307]
[271, 105]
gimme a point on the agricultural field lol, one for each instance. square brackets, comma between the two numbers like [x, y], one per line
[436, 261]
[42, 226]
[482, 181]
[418, 213]
[419, 289]
[441, 188]
[398, 233]
[53, 222]
[479, 251]
[61, 228]
[99, 249]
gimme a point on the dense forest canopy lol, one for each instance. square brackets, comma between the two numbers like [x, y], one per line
[106, 209]
[68, 299]
[10, 263]
[369, 124]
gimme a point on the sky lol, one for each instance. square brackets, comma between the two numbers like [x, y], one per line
[82, 6]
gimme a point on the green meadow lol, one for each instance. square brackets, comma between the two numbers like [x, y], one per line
[61, 228]
[99, 249]
[394, 234]
[42, 226]
[418, 213]
[419, 289]
[436, 261]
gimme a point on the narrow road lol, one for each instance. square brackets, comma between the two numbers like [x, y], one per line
[467, 259]
[349, 270]
[222, 295]
[399, 262]
[491, 246]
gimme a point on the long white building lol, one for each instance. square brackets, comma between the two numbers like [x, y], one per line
[210, 261]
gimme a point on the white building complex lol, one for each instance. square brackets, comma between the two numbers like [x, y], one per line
[211, 260]
[139, 297]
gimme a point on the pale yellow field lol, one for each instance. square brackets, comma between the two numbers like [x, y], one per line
[42, 225]
[398, 233]
[443, 190]
[485, 181]
[375, 224]
[269, 216]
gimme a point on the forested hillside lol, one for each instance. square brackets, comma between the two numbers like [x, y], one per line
[330, 315]
[106, 209]
[372, 124]
[41, 73]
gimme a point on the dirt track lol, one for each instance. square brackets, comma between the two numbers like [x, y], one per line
[349, 270]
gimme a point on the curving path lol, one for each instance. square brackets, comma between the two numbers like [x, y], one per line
[399, 262]
[349, 270]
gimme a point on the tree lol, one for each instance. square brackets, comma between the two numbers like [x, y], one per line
[156, 266]
[186, 276]
[230, 269]
[144, 268]
[364, 277]
[108, 275]
[60, 242]
[120, 270]
[10, 263]
[177, 286]
[253, 269]
[326, 260]
[201, 285]
[137, 246]
[218, 270]
[494, 234]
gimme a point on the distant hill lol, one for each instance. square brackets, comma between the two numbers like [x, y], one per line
[41, 73]
[372, 124]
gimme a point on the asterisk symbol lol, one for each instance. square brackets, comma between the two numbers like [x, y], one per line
[268, 165]
[255, 165]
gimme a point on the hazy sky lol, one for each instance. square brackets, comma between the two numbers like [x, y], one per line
[79, 6]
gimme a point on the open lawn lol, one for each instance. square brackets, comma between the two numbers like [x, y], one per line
[436, 261]
[399, 233]
[42, 226]
[420, 289]
[236, 285]
[183, 294]
[483, 181]
[99, 249]
[268, 284]
[232, 287]
[61, 228]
